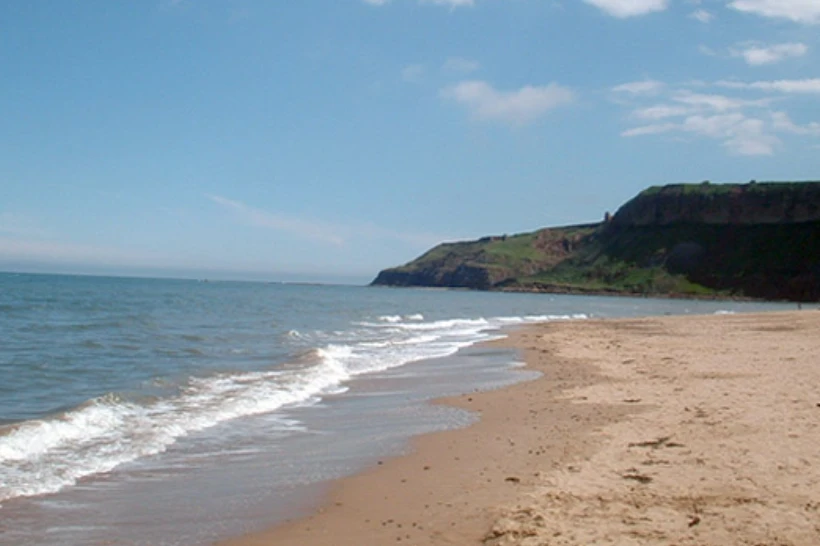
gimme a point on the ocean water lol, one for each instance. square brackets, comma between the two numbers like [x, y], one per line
[148, 411]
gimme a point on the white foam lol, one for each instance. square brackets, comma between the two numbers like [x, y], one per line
[393, 319]
[43, 456]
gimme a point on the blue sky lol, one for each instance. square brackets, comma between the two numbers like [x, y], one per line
[327, 139]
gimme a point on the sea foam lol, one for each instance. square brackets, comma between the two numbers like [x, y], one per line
[43, 456]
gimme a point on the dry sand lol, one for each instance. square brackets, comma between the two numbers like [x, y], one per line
[670, 431]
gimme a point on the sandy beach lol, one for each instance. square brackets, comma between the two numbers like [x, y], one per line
[674, 430]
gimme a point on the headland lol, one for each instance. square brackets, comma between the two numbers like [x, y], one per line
[759, 240]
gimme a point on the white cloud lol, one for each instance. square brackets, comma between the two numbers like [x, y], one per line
[413, 73]
[742, 125]
[713, 126]
[689, 103]
[782, 122]
[629, 8]
[790, 86]
[740, 134]
[519, 107]
[458, 64]
[801, 11]
[750, 137]
[651, 129]
[661, 111]
[756, 55]
[644, 87]
[712, 102]
[807, 86]
[702, 15]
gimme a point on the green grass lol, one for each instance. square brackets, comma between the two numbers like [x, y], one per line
[514, 248]
[767, 260]
[709, 189]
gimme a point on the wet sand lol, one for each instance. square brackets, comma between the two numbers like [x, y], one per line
[674, 430]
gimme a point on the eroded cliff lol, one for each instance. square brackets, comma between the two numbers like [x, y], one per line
[758, 240]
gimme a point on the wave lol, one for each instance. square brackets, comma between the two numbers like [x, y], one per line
[43, 456]
[400, 318]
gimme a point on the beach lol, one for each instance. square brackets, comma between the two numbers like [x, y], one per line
[167, 412]
[671, 430]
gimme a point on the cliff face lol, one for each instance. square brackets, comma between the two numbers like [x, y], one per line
[753, 240]
[724, 204]
[489, 262]
[460, 276]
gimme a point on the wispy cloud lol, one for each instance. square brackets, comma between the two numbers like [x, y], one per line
[757, 54]
[643, 87]
[413, 73]
[740, 134]
[322, 232]
[655, 129]
[629, 8]
[700, 102]
[782, 122]
[800, 11]
[307, 229]
[744, 125]
[518, 107]
[660, 111]
[702, 15]
[807, 86]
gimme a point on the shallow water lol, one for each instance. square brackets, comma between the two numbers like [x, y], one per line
[177, 412]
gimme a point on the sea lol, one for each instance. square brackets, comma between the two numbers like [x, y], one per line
[180, 412]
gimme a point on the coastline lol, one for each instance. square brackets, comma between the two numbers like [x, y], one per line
[685, 430]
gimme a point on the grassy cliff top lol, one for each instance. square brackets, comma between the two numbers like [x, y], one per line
[706, 240]
[708, 188]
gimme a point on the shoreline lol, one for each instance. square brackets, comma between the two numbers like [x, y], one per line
[614, 442]
[408, 498]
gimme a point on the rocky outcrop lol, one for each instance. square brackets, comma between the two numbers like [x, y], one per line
[459, 276]
[489, 262]
[696, 240]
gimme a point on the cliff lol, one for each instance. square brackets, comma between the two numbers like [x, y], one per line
[723, 204]
[757, 240]
[489, 262]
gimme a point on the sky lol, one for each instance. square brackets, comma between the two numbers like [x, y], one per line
[324, 140]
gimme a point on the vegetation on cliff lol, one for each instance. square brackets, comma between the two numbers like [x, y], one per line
[696, 240]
